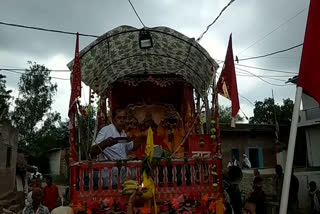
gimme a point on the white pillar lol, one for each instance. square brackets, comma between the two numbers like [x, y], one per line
[290, 155]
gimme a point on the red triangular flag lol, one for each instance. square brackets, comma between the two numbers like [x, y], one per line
[75, 77]
[75, 94]
[309, 74]
[227, 83]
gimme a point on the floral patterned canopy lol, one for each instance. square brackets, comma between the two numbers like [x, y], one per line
[117, 54]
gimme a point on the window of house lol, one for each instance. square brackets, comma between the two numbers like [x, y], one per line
[9, 153]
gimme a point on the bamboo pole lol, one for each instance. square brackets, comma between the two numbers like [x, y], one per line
[290, 153]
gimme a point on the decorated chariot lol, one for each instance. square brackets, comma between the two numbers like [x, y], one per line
[163, 79]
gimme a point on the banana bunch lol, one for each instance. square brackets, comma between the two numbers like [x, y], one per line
[129, 187]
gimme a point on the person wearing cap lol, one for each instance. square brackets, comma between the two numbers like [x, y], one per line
[246, 162]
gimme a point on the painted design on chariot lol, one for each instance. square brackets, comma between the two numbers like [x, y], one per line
[117, 54]
[159, 81]
[189, 183]
[164, 120]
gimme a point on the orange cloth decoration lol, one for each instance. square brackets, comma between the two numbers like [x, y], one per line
[205, 198]
[145, 210]
[212, 206]
[219, 207]
[78, 207]
[175, 203]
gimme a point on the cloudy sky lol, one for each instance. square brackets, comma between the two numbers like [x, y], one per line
[258, 27]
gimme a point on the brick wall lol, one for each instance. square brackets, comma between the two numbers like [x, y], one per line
[8, 140]
[243, 140]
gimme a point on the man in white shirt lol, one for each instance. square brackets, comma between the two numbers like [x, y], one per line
[36, 207]
[246, 162]
[106, 147]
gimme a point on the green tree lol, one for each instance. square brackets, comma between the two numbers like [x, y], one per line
[4, 98]
[36, 96]
[225, 115]
[53, 134]
[266, 111]
[86, 125]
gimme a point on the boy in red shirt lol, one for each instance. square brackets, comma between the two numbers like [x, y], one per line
[50, 194]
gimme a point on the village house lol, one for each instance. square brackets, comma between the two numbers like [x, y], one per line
[8, 157]
[257, 141]
[58, 161]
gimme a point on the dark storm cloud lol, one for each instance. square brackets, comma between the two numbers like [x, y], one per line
[248, 20]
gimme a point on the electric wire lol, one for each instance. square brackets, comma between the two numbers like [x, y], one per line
[89, 35]
[46, 29]
[262, 79]
[136, 13]
[279, 26]
[270, 54]
[223, 9]
[18, 72]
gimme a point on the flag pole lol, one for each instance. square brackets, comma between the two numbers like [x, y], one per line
[290, 152]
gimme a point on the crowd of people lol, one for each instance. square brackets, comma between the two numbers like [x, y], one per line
[244, 164]
[255, 202]
[44, 200]
[41, 200]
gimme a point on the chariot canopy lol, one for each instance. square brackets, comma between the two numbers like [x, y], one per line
[122, 52]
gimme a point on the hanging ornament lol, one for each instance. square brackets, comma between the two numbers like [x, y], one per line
[214, 176]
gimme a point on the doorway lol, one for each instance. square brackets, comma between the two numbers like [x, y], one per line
[255, 157]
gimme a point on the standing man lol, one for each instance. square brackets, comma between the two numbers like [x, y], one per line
[246, 162]
[258, 196]
[278, 182]
[36, 207]
[234, 177]
[50, 194]
[106, 147]
[293, 202]
[314, 193]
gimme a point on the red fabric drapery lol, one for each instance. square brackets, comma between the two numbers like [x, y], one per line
[75, 94]
[227, 83]
[309, 75]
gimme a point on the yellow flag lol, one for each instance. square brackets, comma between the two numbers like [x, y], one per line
[147, 181]
[149, 146]
[151, 190]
